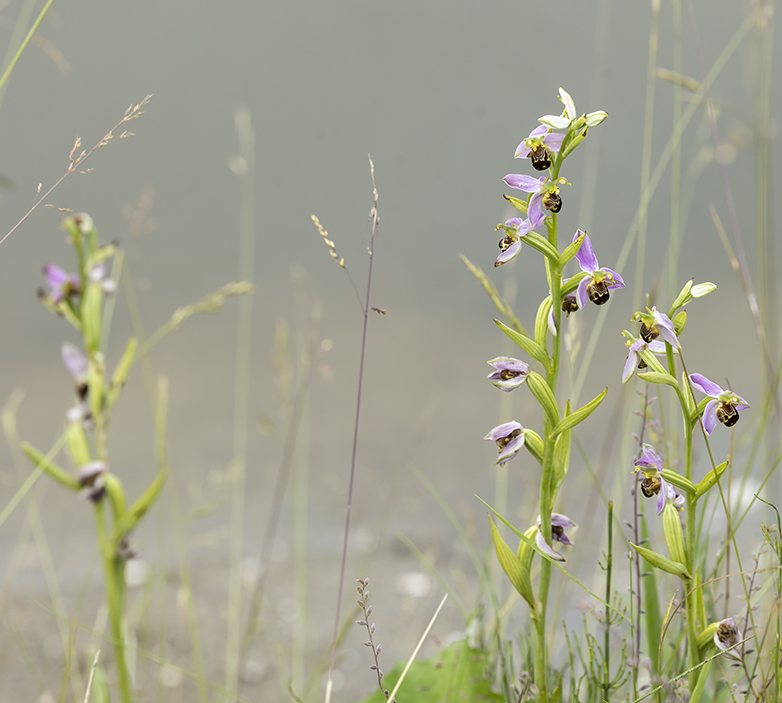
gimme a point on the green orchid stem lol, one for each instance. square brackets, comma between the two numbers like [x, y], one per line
[689, 526]
[114, 576]
[554, 275]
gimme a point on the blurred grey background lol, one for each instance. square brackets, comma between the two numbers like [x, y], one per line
[440, 94]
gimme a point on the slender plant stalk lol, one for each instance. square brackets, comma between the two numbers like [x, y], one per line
[607, 633]
[375, 222]
[241, 397]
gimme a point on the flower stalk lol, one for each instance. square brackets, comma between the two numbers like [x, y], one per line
[546, 150]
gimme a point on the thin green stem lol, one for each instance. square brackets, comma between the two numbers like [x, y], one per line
[689, 528]
[554, 274]
[24, 44]
[607, 633]
[114, 575]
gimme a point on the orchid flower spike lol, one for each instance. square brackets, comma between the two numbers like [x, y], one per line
[723, 406]
[509, 437]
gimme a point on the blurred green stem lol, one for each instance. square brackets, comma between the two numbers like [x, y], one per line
[114, 575]
[689, 525]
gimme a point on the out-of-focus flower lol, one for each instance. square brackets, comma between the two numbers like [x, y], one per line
[76, 363]
[558, 524]
[598, 281]
[538, 147]
[634, 360]
[61, 283]
[723, 406]
[91, 480]
[509, 373]
[99, 274]
[509, 437]
[727, 636]
[656, 324]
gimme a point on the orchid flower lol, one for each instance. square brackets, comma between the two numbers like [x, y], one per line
[727, 636]
[510, 245]
[651, 464]
[538, 147]
[558, 524]
[656, 324]
[509, 373]
[569, 305]
[634, 358]
[62, 283]
[76, 363]
[98, 274]
[509, 437]
[91, 480]
[598, 281]
[545, 194]
[723, 406]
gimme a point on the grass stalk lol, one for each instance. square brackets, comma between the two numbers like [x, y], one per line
[366, 308]
[241, 397]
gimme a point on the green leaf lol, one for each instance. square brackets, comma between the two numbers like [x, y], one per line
[121, 371]
[95, 375]
[77, 444]
[458, 673]
[50, 468]
[580, 415]
[570, 251]
[90, 317]
[661, 562]
[116, 494]
[542, 245]
[561, 456]
[133, 515]
[655, 377]
[679, 481]
[534, 444]
[532, 348]
[710, 479]
[544, 395]
[512, 566]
